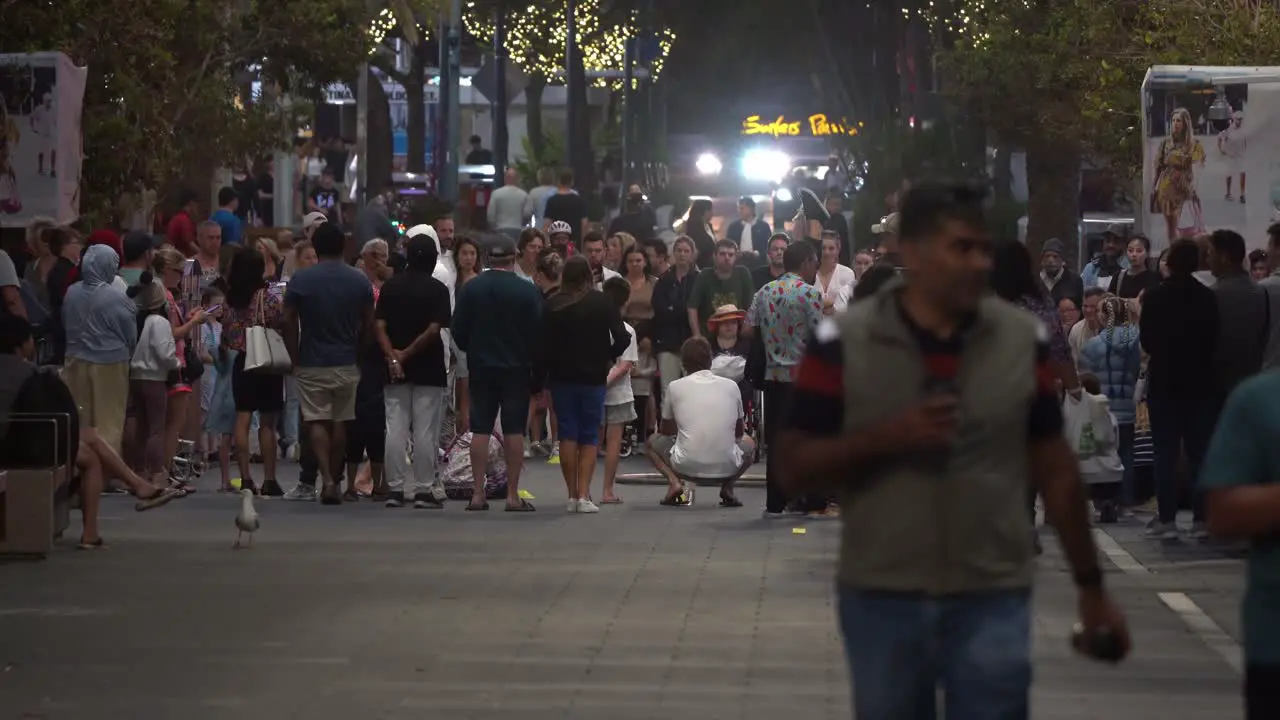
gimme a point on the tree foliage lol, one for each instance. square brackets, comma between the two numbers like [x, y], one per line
[1061, 78]
[1069, 71]
[169, 80]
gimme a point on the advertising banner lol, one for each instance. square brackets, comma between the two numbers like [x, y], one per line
[1211, 153]
[41, 96]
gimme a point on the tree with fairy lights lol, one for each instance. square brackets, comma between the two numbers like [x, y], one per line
[536, 39]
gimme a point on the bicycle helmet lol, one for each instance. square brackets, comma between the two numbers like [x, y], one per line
[559, 227]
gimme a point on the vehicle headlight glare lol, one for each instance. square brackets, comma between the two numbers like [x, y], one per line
[708, 164]
[765, 165]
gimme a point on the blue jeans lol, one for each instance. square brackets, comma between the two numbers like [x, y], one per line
[901, 647]
[1179, 422]
[291, 415]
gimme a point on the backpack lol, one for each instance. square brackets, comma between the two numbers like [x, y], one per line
[28, 442]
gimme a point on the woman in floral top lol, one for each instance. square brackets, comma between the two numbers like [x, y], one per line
[249, 303]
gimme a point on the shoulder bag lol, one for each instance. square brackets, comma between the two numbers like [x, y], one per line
[264, 347]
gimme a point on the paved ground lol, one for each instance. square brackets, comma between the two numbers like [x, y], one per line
[362, 613]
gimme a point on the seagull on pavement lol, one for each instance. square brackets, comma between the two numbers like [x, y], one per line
[246, 520]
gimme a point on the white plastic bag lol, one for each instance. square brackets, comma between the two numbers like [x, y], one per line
[733, 367]
[1092, 434]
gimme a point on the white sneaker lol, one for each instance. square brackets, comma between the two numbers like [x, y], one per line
[571, 506]
[586, 506]
[555, 450]
[1161, 531]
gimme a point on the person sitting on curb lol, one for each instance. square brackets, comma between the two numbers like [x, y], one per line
[701, 434]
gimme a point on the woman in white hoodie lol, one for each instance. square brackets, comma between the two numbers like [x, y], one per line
[153, 367]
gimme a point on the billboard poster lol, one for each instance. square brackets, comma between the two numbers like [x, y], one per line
[41, 95]
[1211, 153]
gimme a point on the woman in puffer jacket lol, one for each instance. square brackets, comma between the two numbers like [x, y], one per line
[1114, 356]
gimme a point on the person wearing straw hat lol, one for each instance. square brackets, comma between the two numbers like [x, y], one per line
[729, 349]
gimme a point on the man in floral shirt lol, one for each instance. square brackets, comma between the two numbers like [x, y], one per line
[784, 312]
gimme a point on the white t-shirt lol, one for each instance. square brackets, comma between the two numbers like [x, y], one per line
[8, 273]
[706, 409]
[619, 393]
[605, 274]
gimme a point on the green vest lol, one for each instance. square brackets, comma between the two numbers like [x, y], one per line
[960, 525]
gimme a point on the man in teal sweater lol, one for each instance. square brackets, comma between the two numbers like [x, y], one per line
[498, 323]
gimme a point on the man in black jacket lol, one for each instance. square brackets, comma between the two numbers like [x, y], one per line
[1179, 330]
[1058, 280]
[749, 231]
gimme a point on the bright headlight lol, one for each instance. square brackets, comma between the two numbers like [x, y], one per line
[782, 195]
[765, 165]
[708, 164]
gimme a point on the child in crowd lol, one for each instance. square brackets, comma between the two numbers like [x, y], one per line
[220, 416]
[642, 387]
[619, 399]
[1096, 444]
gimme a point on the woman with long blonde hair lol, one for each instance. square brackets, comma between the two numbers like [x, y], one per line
[1175, 174]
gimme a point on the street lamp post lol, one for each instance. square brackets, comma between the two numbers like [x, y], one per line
[571, 77]
[500, 137]
[450, 89]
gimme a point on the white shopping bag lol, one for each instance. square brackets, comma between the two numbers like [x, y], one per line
[1092, 434]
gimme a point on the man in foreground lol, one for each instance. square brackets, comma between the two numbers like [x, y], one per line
[931, 466]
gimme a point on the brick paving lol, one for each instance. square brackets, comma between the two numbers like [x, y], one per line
[362, 613]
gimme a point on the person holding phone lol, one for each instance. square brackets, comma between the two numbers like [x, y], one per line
[929, 410]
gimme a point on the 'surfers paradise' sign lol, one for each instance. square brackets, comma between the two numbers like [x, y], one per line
[818, 125]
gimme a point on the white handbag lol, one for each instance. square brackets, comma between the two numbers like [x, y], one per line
[264, 348]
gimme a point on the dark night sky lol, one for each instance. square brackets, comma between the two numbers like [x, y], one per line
[732, 58]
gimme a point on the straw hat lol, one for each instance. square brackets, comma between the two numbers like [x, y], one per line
[725, 313]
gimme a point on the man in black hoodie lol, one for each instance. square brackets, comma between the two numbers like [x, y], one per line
[1179, 330]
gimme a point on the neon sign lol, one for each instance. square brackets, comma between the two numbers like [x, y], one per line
[818, 125]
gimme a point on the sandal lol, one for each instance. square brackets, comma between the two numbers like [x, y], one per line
[329, 495]
[472, 507]
[98, 544]
[524, 506]
[611, 501]
[729, 501]
[676, 500]
[156, 499]
[352, 496]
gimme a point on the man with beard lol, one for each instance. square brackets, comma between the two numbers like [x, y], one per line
[1111, 261]
[1059, 282]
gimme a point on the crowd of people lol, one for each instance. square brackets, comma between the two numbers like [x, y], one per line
[926, 407]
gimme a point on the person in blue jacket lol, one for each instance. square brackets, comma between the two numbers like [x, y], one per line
[1114, 356]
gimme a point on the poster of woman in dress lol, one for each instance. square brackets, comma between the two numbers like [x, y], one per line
[41, 95]
[1175, 188]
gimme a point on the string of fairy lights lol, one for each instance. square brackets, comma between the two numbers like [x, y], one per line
[536, 38]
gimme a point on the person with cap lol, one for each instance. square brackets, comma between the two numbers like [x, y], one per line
[153, 365]
[1111, 261]
[886, 232]
[413, 311]
[139, 249]
[1060, 282]
[730, 347]
[498, 323]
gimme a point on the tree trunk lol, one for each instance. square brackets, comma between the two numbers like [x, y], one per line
[533, 117]
[1053, 195]
[416, 122]
[381, 144]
